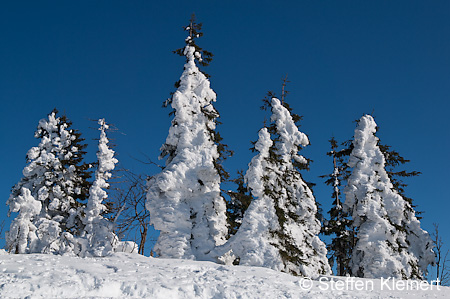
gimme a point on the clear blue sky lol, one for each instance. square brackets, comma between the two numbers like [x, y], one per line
[113, 59]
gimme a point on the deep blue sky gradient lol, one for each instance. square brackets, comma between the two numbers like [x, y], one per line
[113, 59]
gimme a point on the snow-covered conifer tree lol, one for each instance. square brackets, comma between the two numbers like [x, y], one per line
[99, 231]
[184, 200]
[338, 225]
[279, 229]
[21, 237]
[390, 242]
[56, 178]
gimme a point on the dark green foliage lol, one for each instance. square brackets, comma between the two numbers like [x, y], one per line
[394, 160]
[222, 149]
[237, 205]
[82, 169]
[289, 252]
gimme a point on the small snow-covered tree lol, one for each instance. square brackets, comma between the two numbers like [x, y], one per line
[279, 229]
[185, 200]
[390, 242]
[21, 237]
[99, 231]
[57, 178]
[339, 224]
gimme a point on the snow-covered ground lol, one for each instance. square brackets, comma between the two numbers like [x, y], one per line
[130, 275]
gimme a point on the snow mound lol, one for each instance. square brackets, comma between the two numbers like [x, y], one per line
[125, 275]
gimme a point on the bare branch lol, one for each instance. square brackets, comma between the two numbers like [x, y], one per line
[442, 260]
[131, 218]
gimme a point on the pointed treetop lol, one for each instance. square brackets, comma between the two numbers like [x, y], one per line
[270, 95]
[194, 30]
[284, 92]
[103, 125]
[192, 51]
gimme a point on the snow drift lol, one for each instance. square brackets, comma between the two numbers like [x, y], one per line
[125, 275]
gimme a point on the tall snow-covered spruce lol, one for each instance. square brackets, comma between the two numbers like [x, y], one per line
[101, 240]
[279, 229]
[56, 178]
[390, 242]
[185, 200]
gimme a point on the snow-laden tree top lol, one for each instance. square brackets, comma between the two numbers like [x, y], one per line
[371, 175]
[291, 139]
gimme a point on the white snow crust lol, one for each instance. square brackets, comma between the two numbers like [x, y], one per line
[125, 275]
